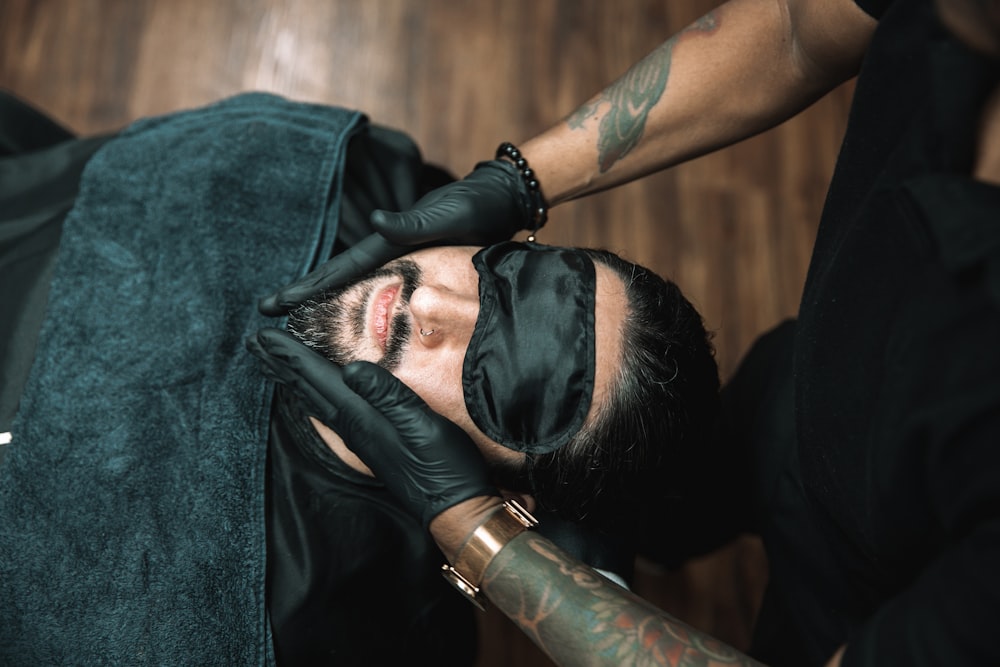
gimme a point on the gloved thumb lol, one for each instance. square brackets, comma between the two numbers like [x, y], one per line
[405, 228]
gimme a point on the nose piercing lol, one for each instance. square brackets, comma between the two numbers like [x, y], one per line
[426, 333]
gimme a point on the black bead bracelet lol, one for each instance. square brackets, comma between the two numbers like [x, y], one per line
[539, 207]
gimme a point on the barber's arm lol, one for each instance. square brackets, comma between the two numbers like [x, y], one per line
[740, 69]
[573, 613]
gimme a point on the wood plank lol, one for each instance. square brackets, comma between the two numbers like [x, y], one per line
[734, 229]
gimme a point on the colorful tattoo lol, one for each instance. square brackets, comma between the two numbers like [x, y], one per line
[632, 97]
[578, 617]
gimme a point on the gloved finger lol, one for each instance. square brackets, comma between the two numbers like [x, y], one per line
[320, 382]
[418, 225]
[384, 391]
[294, 365]
[415, 422]
[442, 225]
[436, 465]
[285, 364]
[274, 367]
[362, 258]
[476, 210]
[411, 417]
[447, 449]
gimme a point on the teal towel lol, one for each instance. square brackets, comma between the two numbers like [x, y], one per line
[132, 495]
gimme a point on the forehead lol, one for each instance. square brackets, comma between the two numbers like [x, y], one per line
[610, 313]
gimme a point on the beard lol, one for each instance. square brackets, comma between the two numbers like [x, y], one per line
[334, 322]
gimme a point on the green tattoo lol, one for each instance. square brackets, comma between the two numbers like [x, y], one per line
[578, 617]
[575, 120]
[632, 97]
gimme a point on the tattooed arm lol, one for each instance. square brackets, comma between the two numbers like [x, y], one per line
[578, 617]
[737, 71]
[573, 613]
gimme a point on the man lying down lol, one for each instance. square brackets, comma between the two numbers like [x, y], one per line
[568, 368]
[158, 506]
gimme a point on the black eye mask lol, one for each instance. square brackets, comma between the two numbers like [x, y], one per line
[528, 374]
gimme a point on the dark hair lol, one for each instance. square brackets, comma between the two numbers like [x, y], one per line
[661, 405]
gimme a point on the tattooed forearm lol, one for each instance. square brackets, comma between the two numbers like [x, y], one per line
[578, 617]
[630, 99]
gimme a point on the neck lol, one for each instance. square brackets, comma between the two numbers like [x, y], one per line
[337, 446]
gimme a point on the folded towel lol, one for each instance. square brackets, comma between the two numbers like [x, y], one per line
[132, 495]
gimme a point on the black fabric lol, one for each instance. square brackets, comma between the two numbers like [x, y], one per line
[882, 522]
[25, 129]
[528, 374]
[398, 588]
[352, 579]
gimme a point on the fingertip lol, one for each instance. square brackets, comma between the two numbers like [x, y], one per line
[378, 217]
[269, 306]
[265, 346]
[359, 374]
[385, 221]
[391, 226]
[370, 380]
[251, 344]
[257, 341]
[382, 389]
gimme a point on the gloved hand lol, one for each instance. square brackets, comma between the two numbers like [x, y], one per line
[428, 463]
[487, 206]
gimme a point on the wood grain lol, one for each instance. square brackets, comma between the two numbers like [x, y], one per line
[734, 229]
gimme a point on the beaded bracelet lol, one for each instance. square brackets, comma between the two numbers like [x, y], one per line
[540, 209]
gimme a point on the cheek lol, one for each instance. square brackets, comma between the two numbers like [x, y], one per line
[436, 376]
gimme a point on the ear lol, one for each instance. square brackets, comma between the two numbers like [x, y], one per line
[523, 499]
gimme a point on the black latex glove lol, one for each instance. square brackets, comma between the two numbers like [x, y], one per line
[489, 205]
[428, 463]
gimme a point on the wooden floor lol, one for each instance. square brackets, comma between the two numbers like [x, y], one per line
[734, 229]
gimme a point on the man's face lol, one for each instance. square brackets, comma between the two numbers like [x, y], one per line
[379, 319]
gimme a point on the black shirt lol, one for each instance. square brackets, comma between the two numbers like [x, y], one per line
[882, 518]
